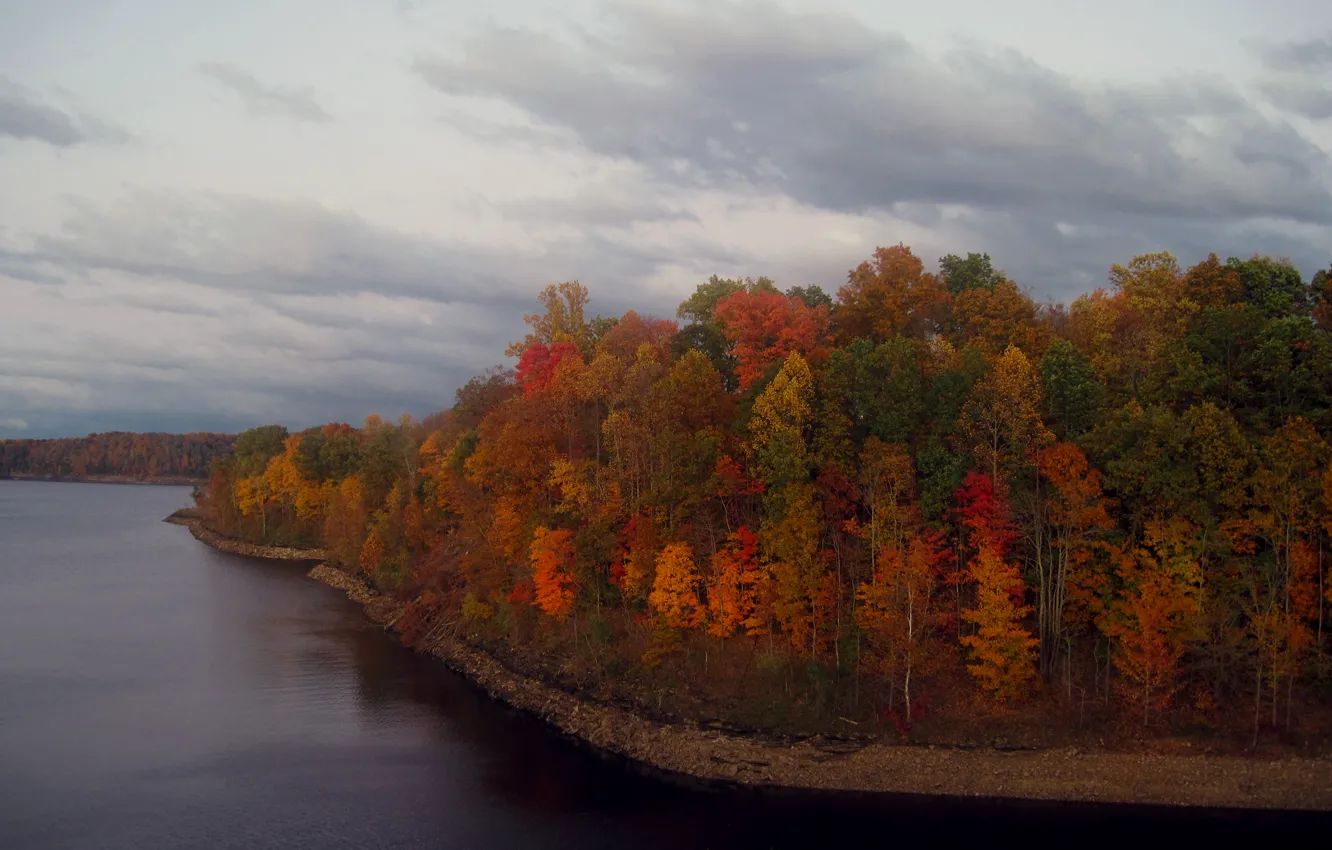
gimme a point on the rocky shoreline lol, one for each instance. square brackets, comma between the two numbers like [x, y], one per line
[712, 756]
[191, 520]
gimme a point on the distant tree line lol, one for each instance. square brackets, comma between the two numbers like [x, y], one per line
[139, 456]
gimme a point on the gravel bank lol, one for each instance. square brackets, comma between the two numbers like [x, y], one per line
[204, 535]
[712, 755]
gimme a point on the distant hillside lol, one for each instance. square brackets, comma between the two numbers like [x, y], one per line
[118, 455]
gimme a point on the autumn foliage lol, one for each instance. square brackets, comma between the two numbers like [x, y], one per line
[928, 488]
[552, 571]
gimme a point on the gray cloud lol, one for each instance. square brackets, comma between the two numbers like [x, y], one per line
[1306, 55]
[845, 118]
[1298, 78]
[595, 209]
[1303, 95]
[296, 104]
[245, 244]
[23, 116]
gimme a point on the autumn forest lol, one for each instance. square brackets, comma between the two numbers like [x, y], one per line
[921, 503]
[139, 457]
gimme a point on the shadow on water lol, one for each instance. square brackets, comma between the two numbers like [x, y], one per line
[535, 768]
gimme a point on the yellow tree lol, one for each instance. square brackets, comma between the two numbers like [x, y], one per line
[995, 319]
[562, 320]
[1002, 649]
[344, 521]
[253, 497]
[1155, 616]
[1001, 418]
[805, 591]
[1091, 328]
[675, 590]
[793, 522]
[887, 481]
[898, 614]
[777, 428]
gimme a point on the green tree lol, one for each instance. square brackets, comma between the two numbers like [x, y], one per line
[813, 295]
[255, 447]
[975, 271]
[1073, 393]
[1272, 285]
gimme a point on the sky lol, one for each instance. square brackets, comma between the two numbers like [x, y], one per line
[215, 216]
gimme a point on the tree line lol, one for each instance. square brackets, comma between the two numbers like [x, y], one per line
[926, 478]
[138, 456]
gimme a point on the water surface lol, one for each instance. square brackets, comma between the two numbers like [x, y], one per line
[157, 693]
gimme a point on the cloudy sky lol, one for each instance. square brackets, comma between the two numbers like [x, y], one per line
[219, 215]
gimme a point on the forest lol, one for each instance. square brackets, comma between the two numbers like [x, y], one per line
[140, 457]
[923, 504]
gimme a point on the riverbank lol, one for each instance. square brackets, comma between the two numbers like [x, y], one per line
[191, 520]
[715, 756]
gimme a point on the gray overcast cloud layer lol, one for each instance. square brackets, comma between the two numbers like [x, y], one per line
[211, 222]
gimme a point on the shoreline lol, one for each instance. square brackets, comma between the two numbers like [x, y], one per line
[189, 518]
[708, 756]
[161, 481]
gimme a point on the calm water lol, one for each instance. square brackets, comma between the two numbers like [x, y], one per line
[157, 693]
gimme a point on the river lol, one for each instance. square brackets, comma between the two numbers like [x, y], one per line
[157, 693]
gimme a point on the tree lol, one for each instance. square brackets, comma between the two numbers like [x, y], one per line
[998, 317]
[632, 331]
[887, 483]
[638, 556]
[1072, 391]
[562, 320]
[1002, 650]
[539, 362]
[812, 295]
[897, 609]
[736, 592]
[1287, 494]
[1002, 419]
[975, 272]
[764, 327]
[876, 389]
[345, 520]
[1076, 516]
[805, 592]
[700, 308]
[552, 557]
[1148, 470]
[255, 447]
[890, 295]
[777, 425]
[1272, 285]
[1155, 614]
[481, 394]
[704, 332]
[1320, 296]
[675, 589]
